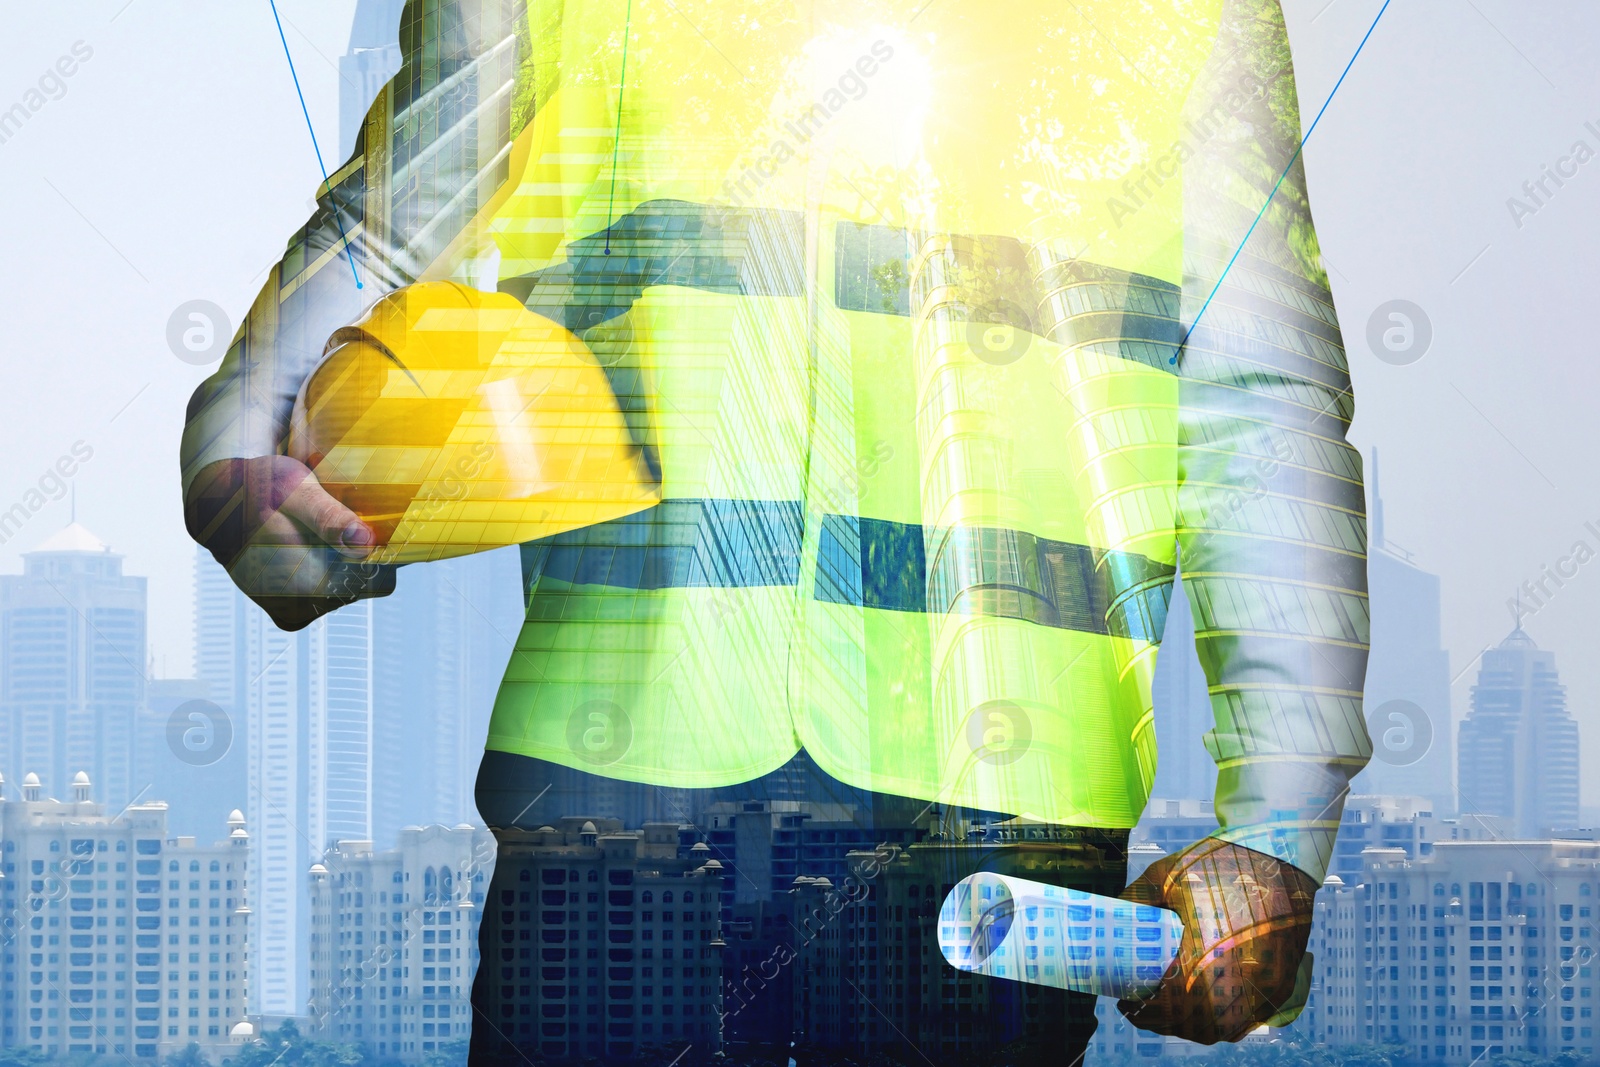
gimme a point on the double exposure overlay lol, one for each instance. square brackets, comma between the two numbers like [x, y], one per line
[856, 378]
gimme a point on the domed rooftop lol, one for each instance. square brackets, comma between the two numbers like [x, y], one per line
[699, 846]
[81, 778]
[589, 828]
[31, 779]
[235, 816]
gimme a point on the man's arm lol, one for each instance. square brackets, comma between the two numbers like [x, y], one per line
[1273, 555]
[262, 515]
[382, 225]
[1272, 542]
[1271, 510]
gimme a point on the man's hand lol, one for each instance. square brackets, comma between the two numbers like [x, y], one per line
[1246, 918]
[287, 544]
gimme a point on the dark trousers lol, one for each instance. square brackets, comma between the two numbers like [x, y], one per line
[770, 962]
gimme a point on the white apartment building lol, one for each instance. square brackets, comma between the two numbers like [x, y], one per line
[118, 940]
[394, 939]
[1480, 948]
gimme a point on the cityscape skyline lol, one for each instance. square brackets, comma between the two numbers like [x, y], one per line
[377, 934]
[306, 707]
[329, 780]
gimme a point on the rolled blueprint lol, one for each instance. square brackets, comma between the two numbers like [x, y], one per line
[1026, 931]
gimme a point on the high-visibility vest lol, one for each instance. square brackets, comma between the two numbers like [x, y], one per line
[888, 292]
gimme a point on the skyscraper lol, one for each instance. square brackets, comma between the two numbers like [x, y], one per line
[1519, 747]
[72, 665]
[301, 703]
[1184, 769]
[440, 648]
[184, 756]
[1408, 675]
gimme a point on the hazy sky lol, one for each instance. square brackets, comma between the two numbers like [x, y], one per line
[176, 162]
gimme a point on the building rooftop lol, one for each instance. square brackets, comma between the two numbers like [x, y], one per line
[72, 538]
[1518, 638]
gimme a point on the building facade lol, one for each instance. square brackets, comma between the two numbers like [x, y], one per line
[370, 60]
[1482, 948]
[118, 939]
[608, 945]
[181, 755]
[394, 939]
[764, 845]
[1174, 825]
[1406, 823]
[868, 974]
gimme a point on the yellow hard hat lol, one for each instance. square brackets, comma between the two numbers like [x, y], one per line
[453, 421]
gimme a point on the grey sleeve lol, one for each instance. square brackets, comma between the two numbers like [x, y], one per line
[432, 150]
[1272, 527]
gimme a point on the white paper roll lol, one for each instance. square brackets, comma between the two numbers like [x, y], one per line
[1026, 931]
